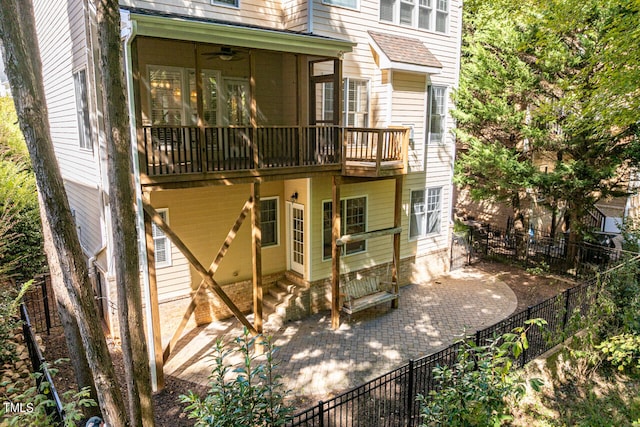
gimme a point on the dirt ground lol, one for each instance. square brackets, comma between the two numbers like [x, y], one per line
[529, 288]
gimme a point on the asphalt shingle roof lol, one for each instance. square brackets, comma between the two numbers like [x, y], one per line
[405, 49]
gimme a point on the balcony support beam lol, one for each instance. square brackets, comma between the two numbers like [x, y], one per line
[335, 254]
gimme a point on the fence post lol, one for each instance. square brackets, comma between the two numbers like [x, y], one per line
[478, 338]
[45, 302]
[410, 392]
[486, 248]
[321, 413]
[565, 317]
[524, 351]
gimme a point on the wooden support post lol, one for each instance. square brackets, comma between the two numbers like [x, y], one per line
[397, 221]
[335, 254]
[155, 309]
[256, 248]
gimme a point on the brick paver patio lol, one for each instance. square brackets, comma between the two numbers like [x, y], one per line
[317, 363]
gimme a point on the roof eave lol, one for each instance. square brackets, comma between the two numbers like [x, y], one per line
[179, 28]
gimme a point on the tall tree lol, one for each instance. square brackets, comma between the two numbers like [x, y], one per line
[23, 67]
[123, 215]
[552, 76]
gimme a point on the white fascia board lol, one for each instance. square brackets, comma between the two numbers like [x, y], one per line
[259, 38]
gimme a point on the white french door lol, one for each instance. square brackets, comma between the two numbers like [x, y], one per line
[296, 237]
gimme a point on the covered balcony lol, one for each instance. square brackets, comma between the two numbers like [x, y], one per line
[265, 104]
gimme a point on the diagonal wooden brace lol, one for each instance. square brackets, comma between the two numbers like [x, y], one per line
[212, 270]
[206, 275]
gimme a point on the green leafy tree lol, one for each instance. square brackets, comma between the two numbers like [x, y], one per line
[18, 199]
[547, 81]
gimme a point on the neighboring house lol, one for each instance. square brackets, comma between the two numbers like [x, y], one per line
[290, 106]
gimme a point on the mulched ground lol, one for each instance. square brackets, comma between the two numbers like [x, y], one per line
[530, 289]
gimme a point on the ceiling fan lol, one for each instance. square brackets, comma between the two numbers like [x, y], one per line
[225, 53]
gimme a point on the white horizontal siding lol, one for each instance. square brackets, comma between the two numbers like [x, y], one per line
[255, 12]
[86, 206]
[61, 30]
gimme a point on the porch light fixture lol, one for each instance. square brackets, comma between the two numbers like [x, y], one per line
[294, 197]
[225, 57]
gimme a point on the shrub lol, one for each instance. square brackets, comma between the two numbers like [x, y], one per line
[248, 395]
[475, 391]
[622, 351]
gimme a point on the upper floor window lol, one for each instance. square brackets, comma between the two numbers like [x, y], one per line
[233, 3]
[352, 4]
[425, 14]
[82, 109]
[437, 113]
[356, 103]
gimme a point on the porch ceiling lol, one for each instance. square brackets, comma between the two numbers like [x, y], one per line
[182, 27]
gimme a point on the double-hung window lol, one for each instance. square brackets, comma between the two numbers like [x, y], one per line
[269, 221]
[353, 212]
[355, 106]
[426, 212]
[356, 103]
[417, 14]
[437, 113]
[82, 109]
[161, 243]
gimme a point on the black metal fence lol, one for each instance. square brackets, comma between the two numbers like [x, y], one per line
[38, 364]
[535, 249]
[390, 400]
[41, 305]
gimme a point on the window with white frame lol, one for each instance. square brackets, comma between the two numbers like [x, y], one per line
[269, 221]
[353, 212]
[356, 103]
[351, 4]
[437, 113]
[417, 13]
[327, 101]
[82, 109]
[161, 244]
[426, 212]
[233, 3]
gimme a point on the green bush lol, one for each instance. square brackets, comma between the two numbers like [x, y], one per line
[476, 390]
[622, 351]
[37, 404]
[248, 395]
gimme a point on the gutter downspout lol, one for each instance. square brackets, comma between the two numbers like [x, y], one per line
[310, 16]
[127, 33]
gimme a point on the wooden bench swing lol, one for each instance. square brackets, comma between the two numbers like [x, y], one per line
[364, 292]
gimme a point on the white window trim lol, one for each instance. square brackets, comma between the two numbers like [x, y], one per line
[429, 105]
[343, 225]
[345, 105]
[416, 16]
[328, 3]
[277, 199]
[231, 6]
[168, 262]
[426, 213]
[184, 89]
[83, 130]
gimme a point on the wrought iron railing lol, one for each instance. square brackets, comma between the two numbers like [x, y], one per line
[391, 399]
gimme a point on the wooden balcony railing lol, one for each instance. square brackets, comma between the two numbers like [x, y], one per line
[375, 152]
[177, 150]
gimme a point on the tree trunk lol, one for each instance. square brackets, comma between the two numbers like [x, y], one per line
[123, 216]
[22, 64]
[72, 334]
